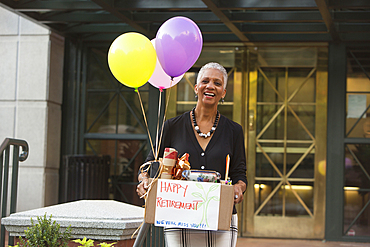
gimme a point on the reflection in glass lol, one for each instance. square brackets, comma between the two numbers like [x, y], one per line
[99, 76]
[111, 108]
[296, 165]
[126, 157]
[358, 115]
[300, 89]
[288, 56]
[357, 156]
[284, 196]
[97, 110]
[185, 87]
[223, 55]
[357, 190]
[358, 105]
[306, 167]
[265, 169]
[301, 127]
[276, 129]
[270, 81]
[285, 153]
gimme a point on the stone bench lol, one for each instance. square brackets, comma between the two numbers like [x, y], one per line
[100, 220]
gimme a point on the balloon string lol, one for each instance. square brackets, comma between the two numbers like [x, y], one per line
[137, 229]
[165, 112]
[159, 114]
[146, 123]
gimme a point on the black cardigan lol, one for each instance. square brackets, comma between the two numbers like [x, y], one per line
[228, 138]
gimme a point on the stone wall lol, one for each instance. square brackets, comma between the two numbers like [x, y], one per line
[31, 82]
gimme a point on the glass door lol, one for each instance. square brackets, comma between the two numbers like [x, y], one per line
[356, 190]
[286, 144]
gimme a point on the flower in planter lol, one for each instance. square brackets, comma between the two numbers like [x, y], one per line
[84, 242]
[104, 244]
[89, 242]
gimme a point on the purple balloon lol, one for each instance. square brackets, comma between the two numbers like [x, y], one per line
[178, 45]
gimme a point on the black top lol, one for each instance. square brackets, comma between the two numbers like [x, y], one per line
[228, 138]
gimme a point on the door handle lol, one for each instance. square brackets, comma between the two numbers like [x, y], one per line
[251, 120]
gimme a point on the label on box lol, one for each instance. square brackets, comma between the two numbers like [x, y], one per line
[185, 204]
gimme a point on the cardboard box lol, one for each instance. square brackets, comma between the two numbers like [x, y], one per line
[226, 203]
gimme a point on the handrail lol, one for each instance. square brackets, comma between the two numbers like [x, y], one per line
[16, 142]
[4, 166]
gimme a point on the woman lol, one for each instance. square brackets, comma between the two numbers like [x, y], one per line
[208, 137]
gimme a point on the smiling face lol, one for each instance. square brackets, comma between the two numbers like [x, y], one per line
[210, 88]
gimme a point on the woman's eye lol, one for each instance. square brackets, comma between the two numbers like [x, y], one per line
[204, 81]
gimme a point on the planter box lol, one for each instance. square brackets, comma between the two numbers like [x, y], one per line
[100, 220]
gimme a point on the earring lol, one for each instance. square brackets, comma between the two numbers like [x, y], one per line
[222, 100]
[196, 96]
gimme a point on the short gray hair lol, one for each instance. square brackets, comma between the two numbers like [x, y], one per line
[213, 65]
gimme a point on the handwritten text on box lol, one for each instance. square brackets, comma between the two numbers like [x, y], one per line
[187, 204]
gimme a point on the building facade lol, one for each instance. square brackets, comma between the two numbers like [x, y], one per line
[304, 108]
[31, 98]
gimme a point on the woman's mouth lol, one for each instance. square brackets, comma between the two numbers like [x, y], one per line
[209, 94]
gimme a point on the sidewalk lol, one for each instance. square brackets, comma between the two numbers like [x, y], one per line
[263, 242]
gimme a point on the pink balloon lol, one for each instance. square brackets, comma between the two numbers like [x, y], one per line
[159, 78]
[179, 43]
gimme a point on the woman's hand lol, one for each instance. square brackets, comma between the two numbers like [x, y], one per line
[239, 187]
[142, 187]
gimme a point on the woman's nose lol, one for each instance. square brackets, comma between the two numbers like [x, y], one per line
[210, 84]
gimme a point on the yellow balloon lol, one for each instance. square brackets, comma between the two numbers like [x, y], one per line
[132, 59]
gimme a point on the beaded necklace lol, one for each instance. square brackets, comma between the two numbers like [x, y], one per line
[196, 127]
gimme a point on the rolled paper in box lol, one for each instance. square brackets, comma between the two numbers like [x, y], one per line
[201, 176]
[169, 162]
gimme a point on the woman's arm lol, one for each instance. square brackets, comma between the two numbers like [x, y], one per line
[238, 169]
[239, 189]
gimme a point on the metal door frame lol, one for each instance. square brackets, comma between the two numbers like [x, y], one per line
[313, 226]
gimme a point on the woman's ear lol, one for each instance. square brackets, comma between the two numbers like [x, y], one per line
[196, 88]
[224, 93]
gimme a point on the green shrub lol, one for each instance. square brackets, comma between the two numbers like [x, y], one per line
[46, 233]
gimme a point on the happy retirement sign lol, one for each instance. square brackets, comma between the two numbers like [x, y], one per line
[187, 204]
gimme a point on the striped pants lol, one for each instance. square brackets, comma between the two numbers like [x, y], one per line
[181, 237]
